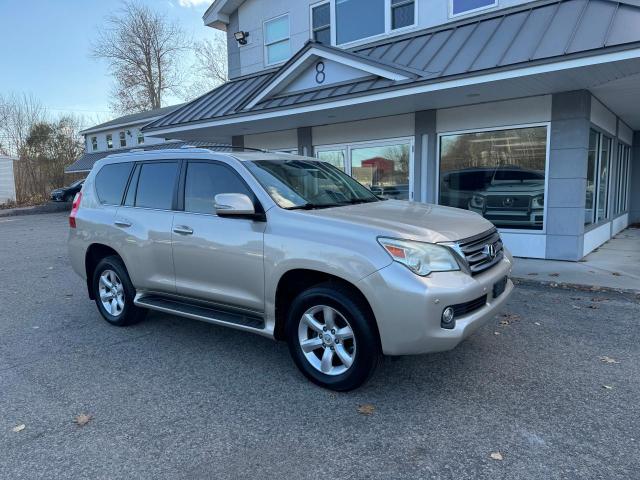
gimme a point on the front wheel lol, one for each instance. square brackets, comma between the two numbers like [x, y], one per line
[331, 338]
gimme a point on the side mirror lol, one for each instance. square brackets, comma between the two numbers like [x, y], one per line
[233, 205]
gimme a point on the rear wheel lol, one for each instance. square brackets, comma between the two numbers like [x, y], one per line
[331, 338]
[114, 293]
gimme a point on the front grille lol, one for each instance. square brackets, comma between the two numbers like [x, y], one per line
[469, 307]
[509, 201]
[477, 251]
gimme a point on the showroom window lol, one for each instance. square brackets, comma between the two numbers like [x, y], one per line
[620, 183]
[384, 167]
[462, 7]
[321, 23]
[598, 166]
[277, 43]
[499, 174]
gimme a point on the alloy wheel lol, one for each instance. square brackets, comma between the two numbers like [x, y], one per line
[111, 293]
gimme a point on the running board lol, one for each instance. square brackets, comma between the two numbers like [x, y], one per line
[218, 316]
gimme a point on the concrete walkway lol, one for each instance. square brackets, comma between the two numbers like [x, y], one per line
[616, 265]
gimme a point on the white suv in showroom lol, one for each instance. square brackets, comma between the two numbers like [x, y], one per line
[287, 247]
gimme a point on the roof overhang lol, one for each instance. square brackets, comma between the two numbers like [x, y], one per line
[116, 126]
[217, 15]
[581, 72]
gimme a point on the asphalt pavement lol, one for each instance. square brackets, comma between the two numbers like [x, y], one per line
[549, 390]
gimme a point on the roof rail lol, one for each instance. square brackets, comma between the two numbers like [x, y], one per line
[212, 146]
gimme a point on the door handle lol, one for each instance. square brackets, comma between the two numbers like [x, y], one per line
[122, 223]
[182, 230]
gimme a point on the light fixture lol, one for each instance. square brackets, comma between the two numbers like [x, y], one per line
[241, 37]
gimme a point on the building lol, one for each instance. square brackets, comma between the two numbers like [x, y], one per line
[7, 180]
[118, 135]
[523, 111]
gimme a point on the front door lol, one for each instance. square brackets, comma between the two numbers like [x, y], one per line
[217, 259]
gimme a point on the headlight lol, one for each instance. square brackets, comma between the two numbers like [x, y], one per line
[420, 258]
[477, 201]
[538, 201]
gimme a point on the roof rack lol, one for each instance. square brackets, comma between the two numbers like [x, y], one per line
[213, 146]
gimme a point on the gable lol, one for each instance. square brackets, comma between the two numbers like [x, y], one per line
[322, 73]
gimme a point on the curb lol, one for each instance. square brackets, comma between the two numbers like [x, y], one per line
[50, 207]
[576, 286]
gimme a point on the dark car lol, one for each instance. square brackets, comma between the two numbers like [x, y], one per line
[66, 194]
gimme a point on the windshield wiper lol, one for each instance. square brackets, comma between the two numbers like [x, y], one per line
[357, 201]
[315, 206]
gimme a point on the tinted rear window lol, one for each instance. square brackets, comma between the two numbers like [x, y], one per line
[156, 185]
[111, 181]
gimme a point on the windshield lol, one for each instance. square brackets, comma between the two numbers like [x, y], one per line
[308, 184]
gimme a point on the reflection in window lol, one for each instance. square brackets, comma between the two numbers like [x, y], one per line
[403, 13]
[459, 7]
[603, 178]
[334, 157]
[321, 23]
[358, 19]
[384, 169]
[592, 162]
[497, 174]
[276, 40]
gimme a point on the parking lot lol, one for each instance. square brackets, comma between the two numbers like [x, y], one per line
[550, 390]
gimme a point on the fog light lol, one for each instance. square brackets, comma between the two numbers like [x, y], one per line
[448, 318]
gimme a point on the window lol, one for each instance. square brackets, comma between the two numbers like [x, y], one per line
[156, 185]
[94, 143]
[384, 170]
[597, 193]
[123, 139]
[460, 7]
[383, 167]
[140, 138]
[277, 44]
[111, 181]
[620, 182]
[403, 13]
[205, 181]
[497, 174]
[109, 141]
[358, 19]
[321, 23]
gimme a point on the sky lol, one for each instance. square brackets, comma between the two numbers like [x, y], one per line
[45, 50]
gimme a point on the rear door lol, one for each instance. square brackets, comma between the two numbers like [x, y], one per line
[217, 259]
[145, 222]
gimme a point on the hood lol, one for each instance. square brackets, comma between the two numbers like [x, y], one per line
[530, 188]
[410, 220]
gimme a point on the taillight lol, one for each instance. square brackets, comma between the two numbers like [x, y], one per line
[74, 209]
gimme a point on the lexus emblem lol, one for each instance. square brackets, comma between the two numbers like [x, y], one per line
[490, 250]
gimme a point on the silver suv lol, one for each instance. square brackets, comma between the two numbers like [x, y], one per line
[287, 247]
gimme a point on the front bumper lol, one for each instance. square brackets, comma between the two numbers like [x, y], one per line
[408, 308]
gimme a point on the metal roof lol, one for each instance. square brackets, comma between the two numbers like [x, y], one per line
[538, 32]
[134, 118]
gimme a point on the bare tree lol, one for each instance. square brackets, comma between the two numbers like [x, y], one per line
[209, 69]
[143, 51]
[18, 113]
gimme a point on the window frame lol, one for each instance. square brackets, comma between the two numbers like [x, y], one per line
[496, 4]
[109, 139]
[122, 135]
[94, 143]
[387, 26]
[126, 184]
[547, 125]
[402, 4]
[348, 147]
[267, 45]
[136, 173]
[312, 31]
[608, 215]
[140, 138]
[182, 187]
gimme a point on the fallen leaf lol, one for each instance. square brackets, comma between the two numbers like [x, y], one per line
[607, 387]
[496, 456]
[606, 359]
[593, 307]
[536, 323]
[19, 428]
[82, 419]
[496, 333]
[508, 318]
[366, 409]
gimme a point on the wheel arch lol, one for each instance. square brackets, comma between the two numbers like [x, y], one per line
[295, 281]
[95, 253]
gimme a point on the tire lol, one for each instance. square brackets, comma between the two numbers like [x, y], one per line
[329, 304]
[122, 312]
